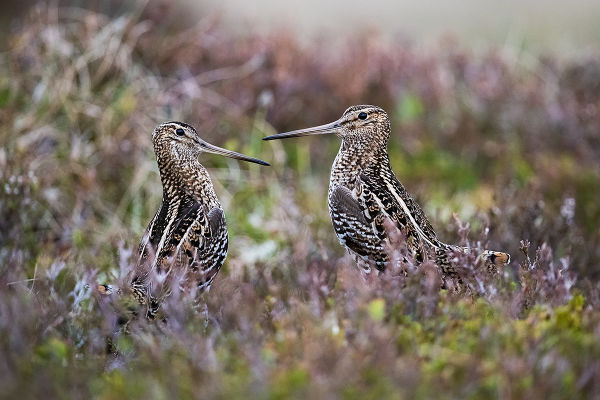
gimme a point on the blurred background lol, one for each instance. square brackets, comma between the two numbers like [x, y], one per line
[495, 110]
[534, 24]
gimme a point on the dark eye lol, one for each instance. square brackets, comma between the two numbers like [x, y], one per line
[179, 132]
[362, 115]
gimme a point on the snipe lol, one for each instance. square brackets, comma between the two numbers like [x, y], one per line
[364, 193]
[188, 235]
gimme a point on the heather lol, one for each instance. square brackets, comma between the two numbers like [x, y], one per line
[500, 147]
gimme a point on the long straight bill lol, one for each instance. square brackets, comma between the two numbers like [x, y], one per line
[316, 130]
[231, 154]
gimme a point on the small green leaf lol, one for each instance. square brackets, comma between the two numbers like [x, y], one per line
[377, 309]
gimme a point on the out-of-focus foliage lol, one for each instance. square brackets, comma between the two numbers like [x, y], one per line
[508, 141]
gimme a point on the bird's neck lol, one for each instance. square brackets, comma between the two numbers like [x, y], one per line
[183, 175]
[352, 159]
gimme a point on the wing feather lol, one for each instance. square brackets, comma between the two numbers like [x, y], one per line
[355, 227]
[195, 244]
[400, 207]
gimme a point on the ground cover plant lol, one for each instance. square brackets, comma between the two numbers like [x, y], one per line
[501, 148]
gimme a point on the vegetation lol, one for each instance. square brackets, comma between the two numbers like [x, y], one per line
[506, 140]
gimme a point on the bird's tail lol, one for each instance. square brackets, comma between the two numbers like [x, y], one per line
[107, 289]
[494, 259]
[491, 259]
[130, 301]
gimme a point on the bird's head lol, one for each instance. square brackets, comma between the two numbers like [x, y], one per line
[364, 124]
[182, 141]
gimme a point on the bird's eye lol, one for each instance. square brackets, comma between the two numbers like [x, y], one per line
[179, 132]
[362, 115]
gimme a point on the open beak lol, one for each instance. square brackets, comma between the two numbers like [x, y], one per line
[316, 130]
[209, 148]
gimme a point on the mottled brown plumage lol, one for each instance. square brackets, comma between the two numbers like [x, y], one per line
[364, 193]
[186, 241]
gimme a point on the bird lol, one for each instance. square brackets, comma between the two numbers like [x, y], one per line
[365, 195]
[187, 238]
